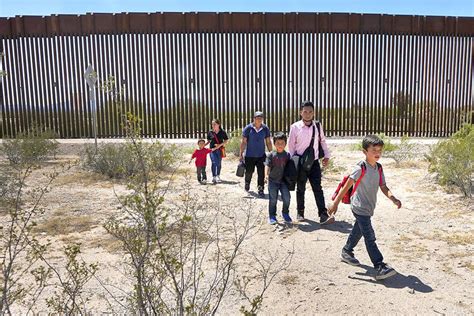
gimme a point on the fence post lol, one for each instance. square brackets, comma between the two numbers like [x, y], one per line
[91, 79]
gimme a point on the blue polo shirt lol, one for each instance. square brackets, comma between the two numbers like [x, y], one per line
[255, 140]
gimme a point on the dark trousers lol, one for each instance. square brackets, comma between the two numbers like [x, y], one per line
[273, 188]
[363, 227]
[314, 177]
[201, 173]
[250, 164]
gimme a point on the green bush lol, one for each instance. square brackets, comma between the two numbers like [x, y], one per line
[453, 160]
[119, 160]
[403, 152]
[30, 148]
[387, 147]
[233, 146]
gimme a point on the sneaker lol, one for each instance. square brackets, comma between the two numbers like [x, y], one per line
[247, 187]
[272, 220]
[299, 218]
[384, 271]
[287, 218]
[218, 179]
[325, 219]
[214, 180]
[348, 257]
[204, 181]
[260, 192]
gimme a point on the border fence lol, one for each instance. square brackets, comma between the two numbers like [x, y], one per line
[365, 73]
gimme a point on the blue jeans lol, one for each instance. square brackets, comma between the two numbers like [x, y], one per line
[273, 188]
[363, 227]
[216, 159]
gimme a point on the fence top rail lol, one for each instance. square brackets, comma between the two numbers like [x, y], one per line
[233, 22]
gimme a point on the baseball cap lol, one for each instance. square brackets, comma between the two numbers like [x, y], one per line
[258, 114]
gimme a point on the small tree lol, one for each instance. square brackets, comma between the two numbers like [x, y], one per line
[403, 152]
[453, 160]
[233, 146]
[70, 299]
[402, 103]
[20, 250]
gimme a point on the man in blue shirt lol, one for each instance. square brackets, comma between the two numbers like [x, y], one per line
[254, 138]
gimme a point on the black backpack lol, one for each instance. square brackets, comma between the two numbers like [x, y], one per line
[290, 175]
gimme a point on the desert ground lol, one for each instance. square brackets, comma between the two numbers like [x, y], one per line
[429, 241]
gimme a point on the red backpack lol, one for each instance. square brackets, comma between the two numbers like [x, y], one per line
[346, 199]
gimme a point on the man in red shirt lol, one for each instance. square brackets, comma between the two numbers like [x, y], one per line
[201, 160]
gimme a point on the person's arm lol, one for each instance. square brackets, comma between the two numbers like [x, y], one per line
[226, 139]
[208, 139]
[192, 157]
[324, 145]
[243, 145]
[333, 208]
[268, 165]
[390, 195]
[269, 143]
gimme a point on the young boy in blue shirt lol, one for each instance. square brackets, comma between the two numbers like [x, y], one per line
[363, 202]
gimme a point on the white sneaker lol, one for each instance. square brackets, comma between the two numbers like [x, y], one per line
[204, 181]
[218, 179]
[299, 218]
[214, 180]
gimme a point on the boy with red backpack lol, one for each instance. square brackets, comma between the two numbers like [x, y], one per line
[364, 181]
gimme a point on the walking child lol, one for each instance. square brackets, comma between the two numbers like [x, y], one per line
[201, 160]
[367, 176]
[274, 174]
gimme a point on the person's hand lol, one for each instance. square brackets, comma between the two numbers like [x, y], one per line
[241, 157]
[332, 209]
[397, 202]
[325, 162]
[266, 179]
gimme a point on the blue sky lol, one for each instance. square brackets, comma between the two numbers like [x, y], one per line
[10, 8]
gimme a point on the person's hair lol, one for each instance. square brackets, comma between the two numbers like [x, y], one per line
[217, 121]
[307, 103]
[201, 140]
[371, 140]
[279, 136]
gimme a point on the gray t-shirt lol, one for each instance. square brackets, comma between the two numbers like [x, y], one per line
[365, 198]
[276, 162]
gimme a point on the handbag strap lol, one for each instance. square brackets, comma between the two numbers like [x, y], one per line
[319, 131]
[311, 144]
[216, 138]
